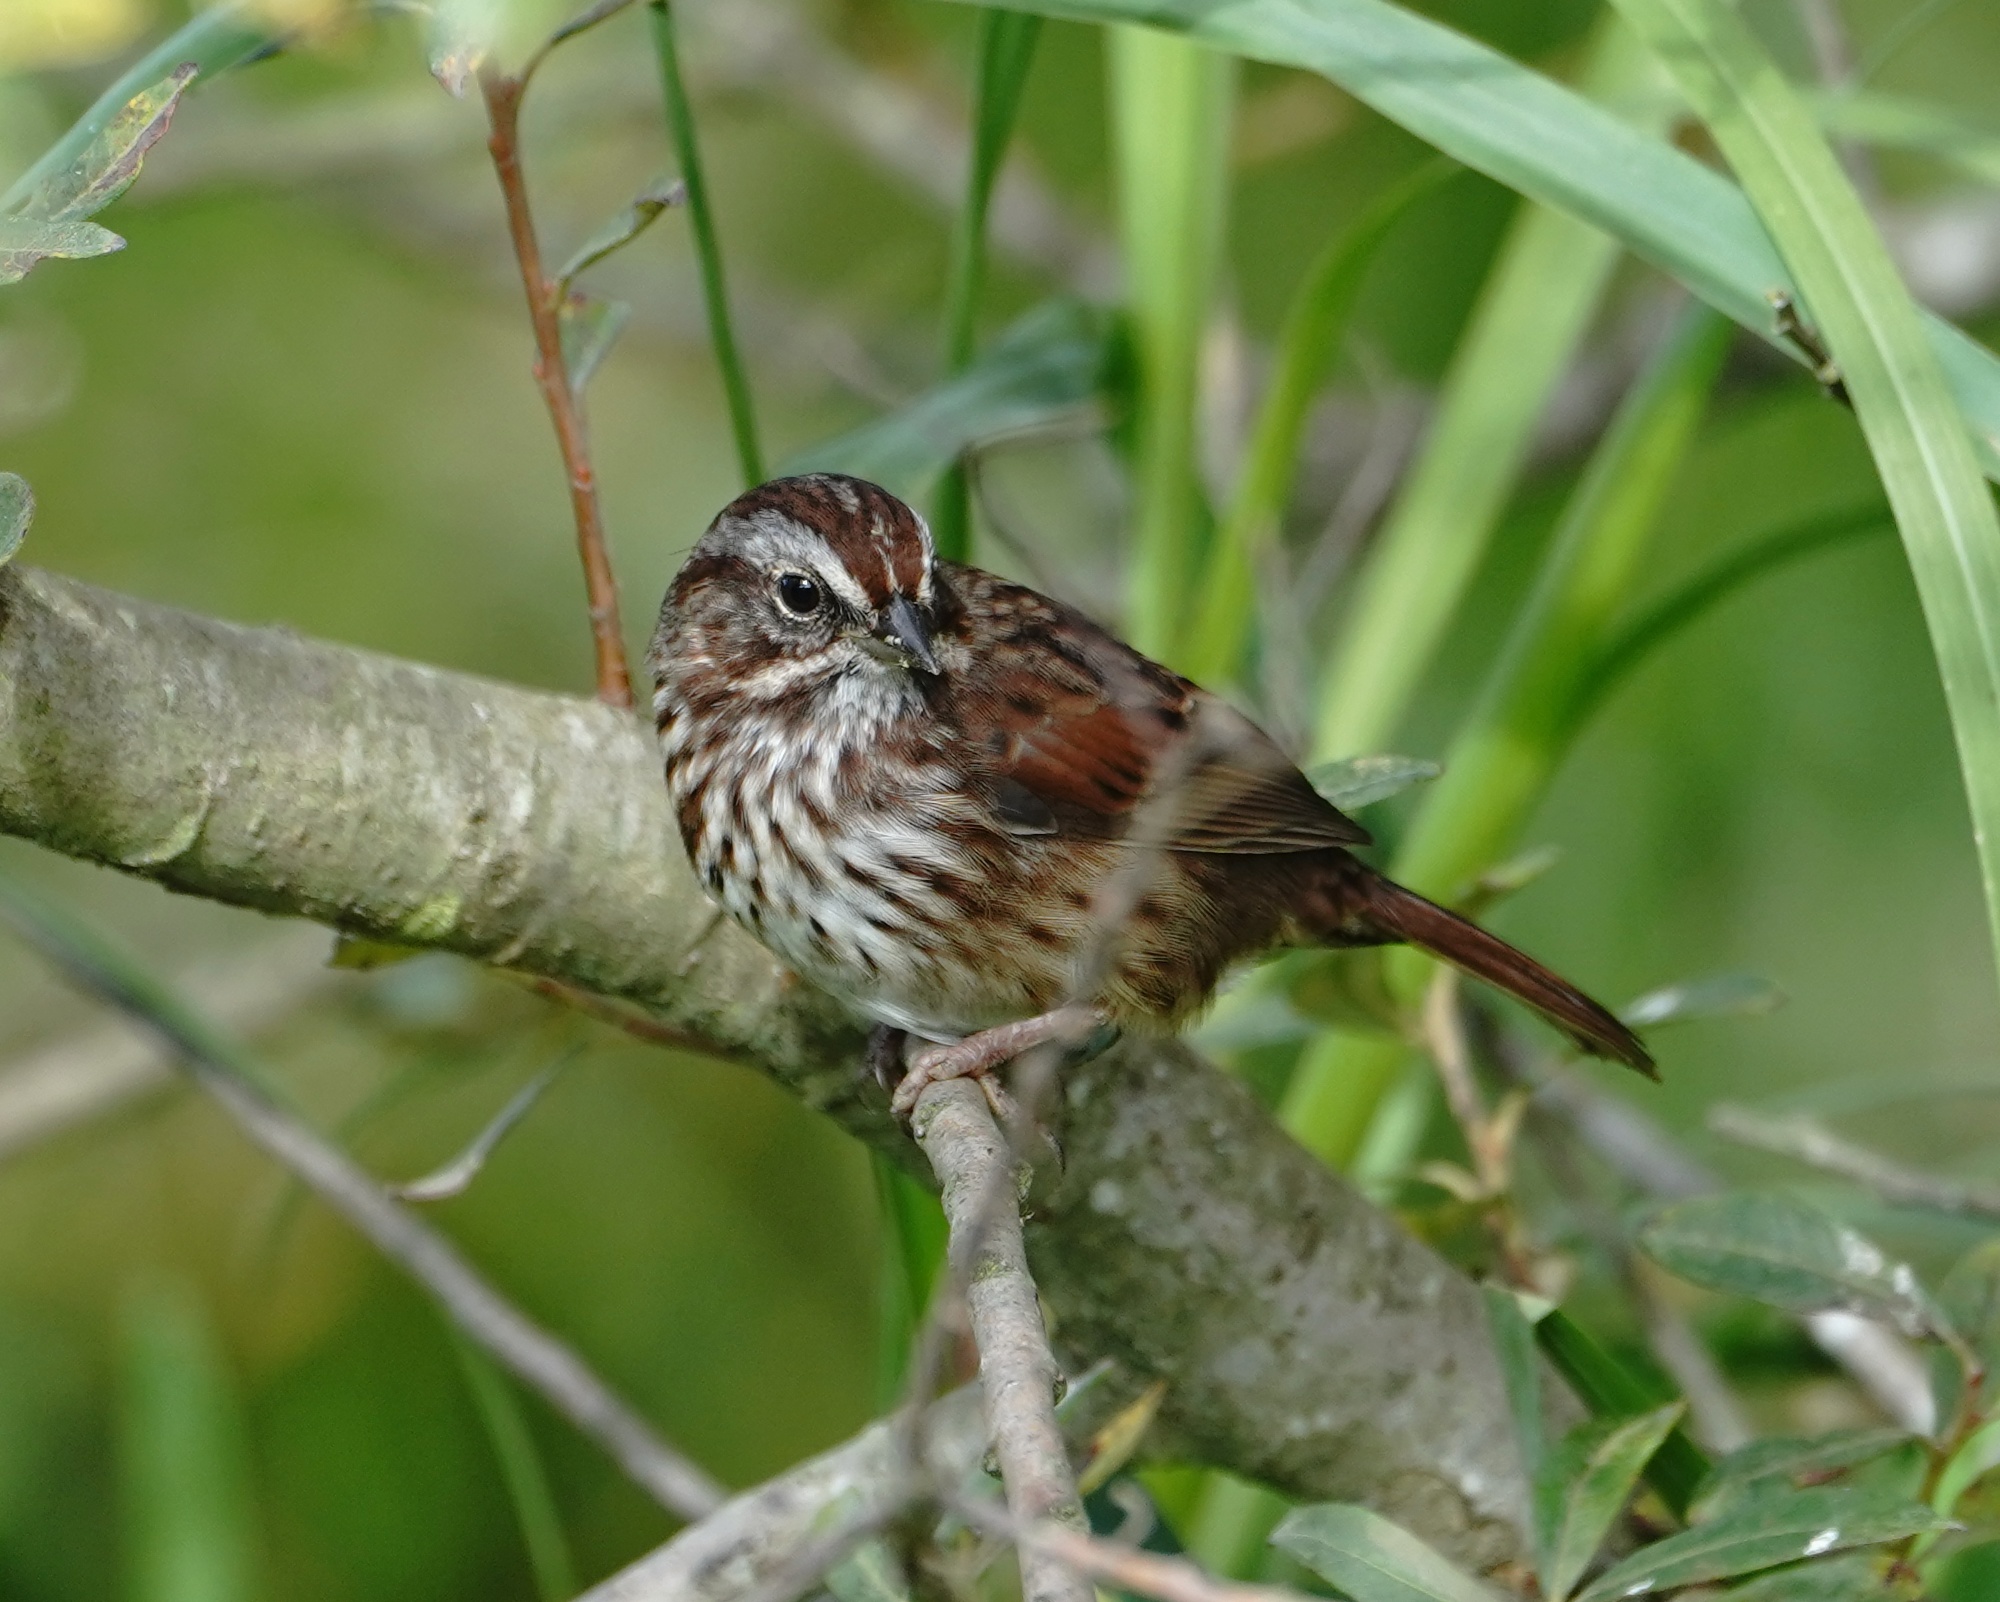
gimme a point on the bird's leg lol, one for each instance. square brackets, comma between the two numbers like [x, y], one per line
[976, 1056]
[884, 1054]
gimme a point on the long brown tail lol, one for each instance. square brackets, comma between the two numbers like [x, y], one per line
[1404, 916]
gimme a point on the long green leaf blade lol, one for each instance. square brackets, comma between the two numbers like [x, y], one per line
[1170, 103]
[1544, 140]
[1006, 50]
[1371, 1559]
[1508, 750]
[1891, 370]
[707, 243]
[189, 1514]
[1761, 1535]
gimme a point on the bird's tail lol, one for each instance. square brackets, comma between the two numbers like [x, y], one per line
[1402, 916]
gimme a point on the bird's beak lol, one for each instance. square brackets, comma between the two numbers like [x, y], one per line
[902, 629]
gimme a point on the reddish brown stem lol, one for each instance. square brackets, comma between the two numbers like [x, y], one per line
[503, 110]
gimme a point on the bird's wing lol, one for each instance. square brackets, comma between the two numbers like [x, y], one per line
[1090, 737]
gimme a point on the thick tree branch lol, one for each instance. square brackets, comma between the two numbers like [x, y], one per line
[1305, 1339]
[752, 1540]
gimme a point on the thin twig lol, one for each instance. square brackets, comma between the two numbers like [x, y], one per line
[620, 1016]
[503, 111]
[1444, 1037]
[71, 1082]
[1128, 1567]
[1017, 1371]
[1812, 1143]
[531, 1353]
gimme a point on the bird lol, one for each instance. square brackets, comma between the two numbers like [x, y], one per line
[982, 821]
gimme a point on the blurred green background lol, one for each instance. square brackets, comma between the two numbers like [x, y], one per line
[301, 396]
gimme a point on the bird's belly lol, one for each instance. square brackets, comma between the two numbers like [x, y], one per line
[882, 911]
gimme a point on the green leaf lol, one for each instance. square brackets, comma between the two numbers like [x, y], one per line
[1362, 781]
[1774, 1248]
[188, 1513]
[522, 1470]
[1972, 1462]
[106, 167]
[1053, 363]
[25, 241]
[17, 511]
[1750, 1470]
[1521, 1371]
[1763, 1534]
[1549, 143]
[1371, 1559]
[1718, 995]
[1899, 122]
[1970, 1297]
[1913, 414]
[1606, 1387]
[870, 1574]
[622, 229]
[1586, 1483]
[1850, 1578]
[1665, 617]
[458, 38]
[590, 327]
[218, 37]
[1540, 296]
[1509, 748]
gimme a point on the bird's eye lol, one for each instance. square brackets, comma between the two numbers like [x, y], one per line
[799, 594]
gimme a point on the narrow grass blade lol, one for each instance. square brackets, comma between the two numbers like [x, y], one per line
[1006, 50]
[1677, 1469]
[1521, 1371]
[1170, 105]
[188, 1514]
[1896, 122]
[1544, 289]
[218, 38]
[1307, 345]
[1504, 756]
[521, 1470]
[1666, 617]
[912, 1251]
[1535, 136]
[707, 244]
[1915, 429]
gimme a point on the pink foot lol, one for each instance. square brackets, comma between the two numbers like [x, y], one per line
[977, 1056]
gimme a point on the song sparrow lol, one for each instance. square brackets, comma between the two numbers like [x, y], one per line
[979, 818]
